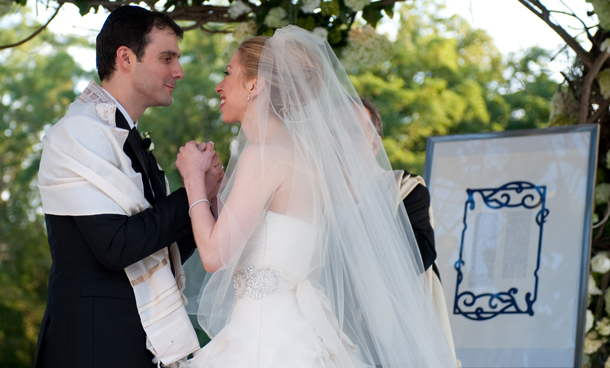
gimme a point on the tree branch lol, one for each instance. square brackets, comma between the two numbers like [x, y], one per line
[197, 25]
[42, 28]
[580, 20]
[584, 26]
[543, 13]
[197, 13]
[587, 84]
[205, 14]
[212, 31]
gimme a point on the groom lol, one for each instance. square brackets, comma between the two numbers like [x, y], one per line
[114, 297]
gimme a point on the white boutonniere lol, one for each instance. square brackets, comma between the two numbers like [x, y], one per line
[147, 143]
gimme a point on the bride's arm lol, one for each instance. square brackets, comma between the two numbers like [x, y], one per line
[218, 241]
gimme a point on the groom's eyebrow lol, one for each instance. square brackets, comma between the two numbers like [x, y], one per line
[170, 53]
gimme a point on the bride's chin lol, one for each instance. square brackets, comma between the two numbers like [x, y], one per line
[229, 121]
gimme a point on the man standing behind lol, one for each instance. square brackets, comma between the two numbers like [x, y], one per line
[415, 195]
[114, 286]
[416, 199]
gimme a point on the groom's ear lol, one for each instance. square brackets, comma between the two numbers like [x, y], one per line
[256, 85]
[124, 58]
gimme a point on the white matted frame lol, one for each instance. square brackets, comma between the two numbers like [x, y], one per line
[512, 220]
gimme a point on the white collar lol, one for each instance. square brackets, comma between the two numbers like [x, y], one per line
[122, 110]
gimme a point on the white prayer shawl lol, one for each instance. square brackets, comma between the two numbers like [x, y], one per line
[406, 183]
[84, 171]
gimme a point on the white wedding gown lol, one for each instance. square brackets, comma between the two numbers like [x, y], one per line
[278, 319]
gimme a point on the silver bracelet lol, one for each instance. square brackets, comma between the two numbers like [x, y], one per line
[197, 202]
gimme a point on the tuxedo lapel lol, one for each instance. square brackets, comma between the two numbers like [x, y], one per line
[156, 175]
[143, 162]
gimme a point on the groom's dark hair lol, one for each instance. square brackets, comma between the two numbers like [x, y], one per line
[128, 26]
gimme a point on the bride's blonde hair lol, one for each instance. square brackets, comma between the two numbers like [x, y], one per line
[283, 90]
[250, 55]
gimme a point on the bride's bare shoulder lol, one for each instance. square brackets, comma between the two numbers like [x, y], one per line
[267, 154]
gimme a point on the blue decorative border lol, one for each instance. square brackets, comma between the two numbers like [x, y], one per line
[509, 195]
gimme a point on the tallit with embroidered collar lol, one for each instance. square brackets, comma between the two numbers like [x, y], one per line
[90, 174]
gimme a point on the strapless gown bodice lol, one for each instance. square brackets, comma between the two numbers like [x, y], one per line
[280, 249]
[279, 319]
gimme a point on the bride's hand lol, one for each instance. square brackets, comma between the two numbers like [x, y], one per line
[193, 164]
[215, 174]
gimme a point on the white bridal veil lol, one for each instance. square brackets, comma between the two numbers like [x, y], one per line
[314, 145]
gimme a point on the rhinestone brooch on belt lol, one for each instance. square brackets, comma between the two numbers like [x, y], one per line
[256, 283]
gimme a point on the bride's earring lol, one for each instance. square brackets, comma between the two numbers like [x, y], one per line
[249, 97]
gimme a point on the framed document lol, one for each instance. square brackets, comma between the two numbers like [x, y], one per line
[512, 220]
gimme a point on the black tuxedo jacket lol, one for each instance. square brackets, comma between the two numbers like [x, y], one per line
[417, 204]
[91, 319]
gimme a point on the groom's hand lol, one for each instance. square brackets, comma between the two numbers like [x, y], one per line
[215, 174]
[201, 146]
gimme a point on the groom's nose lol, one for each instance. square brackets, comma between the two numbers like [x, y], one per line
[177, 71]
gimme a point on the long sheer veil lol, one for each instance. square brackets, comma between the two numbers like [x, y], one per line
[362, 255]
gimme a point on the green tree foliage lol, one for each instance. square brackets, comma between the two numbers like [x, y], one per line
[447, 78]
[526, 92]
[37, 83]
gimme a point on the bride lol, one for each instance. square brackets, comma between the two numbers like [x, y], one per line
[311, 261]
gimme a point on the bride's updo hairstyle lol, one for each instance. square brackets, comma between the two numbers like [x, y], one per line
[250, 55]
[292, 84]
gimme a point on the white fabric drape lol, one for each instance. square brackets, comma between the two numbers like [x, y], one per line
[307, 142]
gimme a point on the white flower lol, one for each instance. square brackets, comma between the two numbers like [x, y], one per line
[365, 47]
[276, 18]
[588, 320]
[308, 6]
[600, 263]
[603, 327]
[593, 289]
[244, 31]
[238, 8]
[607, 364]
[357, 5]
[592, 343]
[323, 32]
[146, 135]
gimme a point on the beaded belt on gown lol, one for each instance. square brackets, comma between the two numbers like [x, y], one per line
[256, 283]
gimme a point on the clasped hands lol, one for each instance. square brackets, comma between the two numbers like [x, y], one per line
[199, 164]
